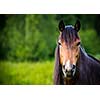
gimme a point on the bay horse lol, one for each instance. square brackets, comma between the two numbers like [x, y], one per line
[73, 66]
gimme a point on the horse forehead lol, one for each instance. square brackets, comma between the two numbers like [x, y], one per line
[69, 28]
[69, 32]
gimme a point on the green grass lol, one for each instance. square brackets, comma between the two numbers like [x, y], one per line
[26, 72]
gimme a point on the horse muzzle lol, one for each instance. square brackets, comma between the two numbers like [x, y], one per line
[69, 73]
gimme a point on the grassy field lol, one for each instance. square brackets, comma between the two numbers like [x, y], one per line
[26, 72]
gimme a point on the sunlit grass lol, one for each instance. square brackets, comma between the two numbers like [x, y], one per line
[26, 72]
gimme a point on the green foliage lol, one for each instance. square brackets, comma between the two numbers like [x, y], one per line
[98, 56]
[33, 37]
[30, 37]
[90, 41]
[15, 36]
[40, 36]
[26, 73]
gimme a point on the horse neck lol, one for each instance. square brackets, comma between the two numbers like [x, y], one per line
[87, 59]
[83, 57]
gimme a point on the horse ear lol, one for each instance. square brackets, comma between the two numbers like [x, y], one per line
[61, 25]
[77, 25]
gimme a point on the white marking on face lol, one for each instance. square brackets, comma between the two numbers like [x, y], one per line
[64, 72]
[68, 66]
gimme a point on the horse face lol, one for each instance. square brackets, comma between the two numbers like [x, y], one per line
[69, 55]
[68, 51]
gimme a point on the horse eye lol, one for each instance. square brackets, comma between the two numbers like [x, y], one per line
[78, 43]
[76, 56]
[59, 43]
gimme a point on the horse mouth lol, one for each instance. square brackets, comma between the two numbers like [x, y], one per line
[69, 74]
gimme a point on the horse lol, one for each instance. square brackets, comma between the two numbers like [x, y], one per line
[73, 66]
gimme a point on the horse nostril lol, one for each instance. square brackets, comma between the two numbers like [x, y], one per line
[68, 70]
[73, 66]
[63, 66]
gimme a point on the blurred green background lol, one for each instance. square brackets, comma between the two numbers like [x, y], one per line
[28, 41]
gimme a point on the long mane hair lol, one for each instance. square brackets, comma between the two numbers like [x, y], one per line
[57, 70]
